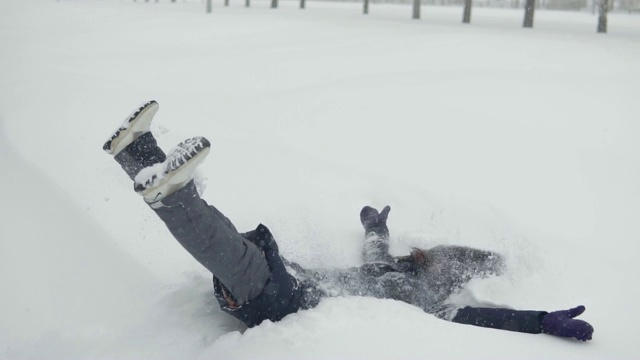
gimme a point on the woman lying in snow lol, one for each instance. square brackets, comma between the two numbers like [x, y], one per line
[253, 282]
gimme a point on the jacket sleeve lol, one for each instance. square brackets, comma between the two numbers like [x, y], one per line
[526, 321]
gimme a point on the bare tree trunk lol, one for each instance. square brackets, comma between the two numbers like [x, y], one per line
[208, 6]
[416, 8]
[274, 4]
[529, 8]
[247, 3]
[302, 4]
[602, 17]
[365, 10]
[226, 2]
[466, 15]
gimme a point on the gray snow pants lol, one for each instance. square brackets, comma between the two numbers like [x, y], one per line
[214, 242]
[250, 280]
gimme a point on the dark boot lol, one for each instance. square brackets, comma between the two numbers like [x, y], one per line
[141, 153]
[132, 144]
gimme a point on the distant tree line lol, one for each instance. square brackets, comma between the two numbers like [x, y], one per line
[601, 6]
[618, 5]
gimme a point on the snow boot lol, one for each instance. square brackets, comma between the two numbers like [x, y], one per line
[132, 144]
[161, 180]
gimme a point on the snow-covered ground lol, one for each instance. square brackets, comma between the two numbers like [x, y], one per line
[523, 141]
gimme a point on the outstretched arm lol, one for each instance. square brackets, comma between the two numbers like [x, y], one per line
[558, 323]
[376, 236]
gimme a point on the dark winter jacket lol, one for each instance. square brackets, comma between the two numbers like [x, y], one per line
[282, 294]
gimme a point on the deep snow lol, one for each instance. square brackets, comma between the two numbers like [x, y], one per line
[488, 135]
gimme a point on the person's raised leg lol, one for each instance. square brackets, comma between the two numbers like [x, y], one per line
[376, 236]
[169, 190]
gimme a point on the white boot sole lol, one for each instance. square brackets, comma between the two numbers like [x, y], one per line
[135, 125]
[176, 179]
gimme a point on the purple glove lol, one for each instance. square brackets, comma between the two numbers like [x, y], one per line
[375, 222]
[369, 217]
[562, 323]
